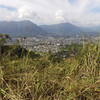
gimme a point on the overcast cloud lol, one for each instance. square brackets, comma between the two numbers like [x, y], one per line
[80, 12]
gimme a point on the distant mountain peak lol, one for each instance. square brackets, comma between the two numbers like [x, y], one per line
[21, 28]
[61, 28]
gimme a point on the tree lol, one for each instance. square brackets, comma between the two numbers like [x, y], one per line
[3, 39]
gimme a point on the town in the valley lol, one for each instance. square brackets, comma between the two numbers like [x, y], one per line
[52, 44]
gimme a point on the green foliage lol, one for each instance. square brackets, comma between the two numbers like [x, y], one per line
[73, 50]
[56, 58]
[17, 52]
[3, 38]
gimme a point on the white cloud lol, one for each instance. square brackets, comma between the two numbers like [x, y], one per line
[52, 11]
[60, 16]
[25, 12]
[7, 15]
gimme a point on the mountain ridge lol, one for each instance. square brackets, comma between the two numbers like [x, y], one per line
[20, 28]
[27, 28]
[71, 29]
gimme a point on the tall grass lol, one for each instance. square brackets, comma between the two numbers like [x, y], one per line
[74, 78]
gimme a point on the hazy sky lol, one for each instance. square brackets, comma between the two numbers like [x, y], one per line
[80, 12]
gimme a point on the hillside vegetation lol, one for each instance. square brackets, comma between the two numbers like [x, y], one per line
[71, 74]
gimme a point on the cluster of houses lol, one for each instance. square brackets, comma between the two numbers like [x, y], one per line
[42, 44]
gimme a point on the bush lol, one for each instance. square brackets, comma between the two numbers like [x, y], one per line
[17, 52]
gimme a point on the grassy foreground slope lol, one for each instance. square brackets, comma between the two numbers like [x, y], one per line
[32, 76]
